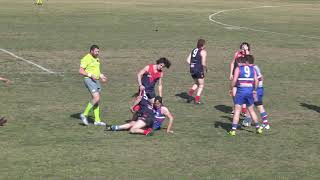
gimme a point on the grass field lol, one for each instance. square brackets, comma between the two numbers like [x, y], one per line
[43, 138]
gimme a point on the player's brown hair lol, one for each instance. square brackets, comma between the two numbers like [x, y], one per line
[245, 43]
[249, 59]
[165, 61]
[201, 43]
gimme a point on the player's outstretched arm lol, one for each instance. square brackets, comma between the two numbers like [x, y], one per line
[5, 80]
[167, 113]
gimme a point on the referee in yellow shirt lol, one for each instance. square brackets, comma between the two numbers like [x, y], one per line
[90, 69]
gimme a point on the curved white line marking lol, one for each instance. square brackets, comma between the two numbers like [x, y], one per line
[211, 18]
[27, 61]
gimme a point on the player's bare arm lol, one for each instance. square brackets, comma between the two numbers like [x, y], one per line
[160, 87]
[139, 75]
[167, 113]
[188, 59]
[232, 66]
[5, 80]
[203, 55]
[231, 69]
[256, 80]
[234, 80]
[84, 73]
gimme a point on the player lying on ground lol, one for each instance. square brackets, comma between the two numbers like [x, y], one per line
[160, 112]
[142, 121]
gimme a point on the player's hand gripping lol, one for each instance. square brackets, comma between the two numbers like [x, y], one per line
[141, 87]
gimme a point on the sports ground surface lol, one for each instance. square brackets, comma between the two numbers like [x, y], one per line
[44, 140]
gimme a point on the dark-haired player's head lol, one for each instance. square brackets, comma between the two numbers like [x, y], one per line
[241, 60]
[163, 62]
[157, 102]
[94, 51]
[249, 59]
[245, 46]
[201, 43]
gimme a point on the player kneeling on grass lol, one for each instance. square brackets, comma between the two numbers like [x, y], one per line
[246, 81]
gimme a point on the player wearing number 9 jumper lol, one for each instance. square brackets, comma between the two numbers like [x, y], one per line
[197, 61]
[246, 81]
[259, 100]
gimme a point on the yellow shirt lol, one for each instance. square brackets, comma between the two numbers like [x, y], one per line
[91, 65]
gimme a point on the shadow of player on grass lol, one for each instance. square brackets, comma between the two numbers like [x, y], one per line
[310, 106]
[227, 126]
[185, 96]
[77, 116]
[223, 108]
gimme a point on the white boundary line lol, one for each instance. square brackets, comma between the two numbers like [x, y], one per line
[27, 61]
[211, 18]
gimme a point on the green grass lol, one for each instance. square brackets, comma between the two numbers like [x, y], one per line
[42, 139]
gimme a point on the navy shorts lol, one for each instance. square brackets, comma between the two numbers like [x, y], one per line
[151, 94]
[197, 75]
[147, 117]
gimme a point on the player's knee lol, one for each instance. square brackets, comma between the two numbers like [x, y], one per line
[132, 130]
[96, 98]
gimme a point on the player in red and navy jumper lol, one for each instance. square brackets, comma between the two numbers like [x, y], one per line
[246, 81]
[244, 50]
[197, 62]
[150, 75]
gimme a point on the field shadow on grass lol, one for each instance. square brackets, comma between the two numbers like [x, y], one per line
[77, 116]
[185, 95]
[227, 126]
[223, 108]
[310, 106]
[223, 125]
[227, 117]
